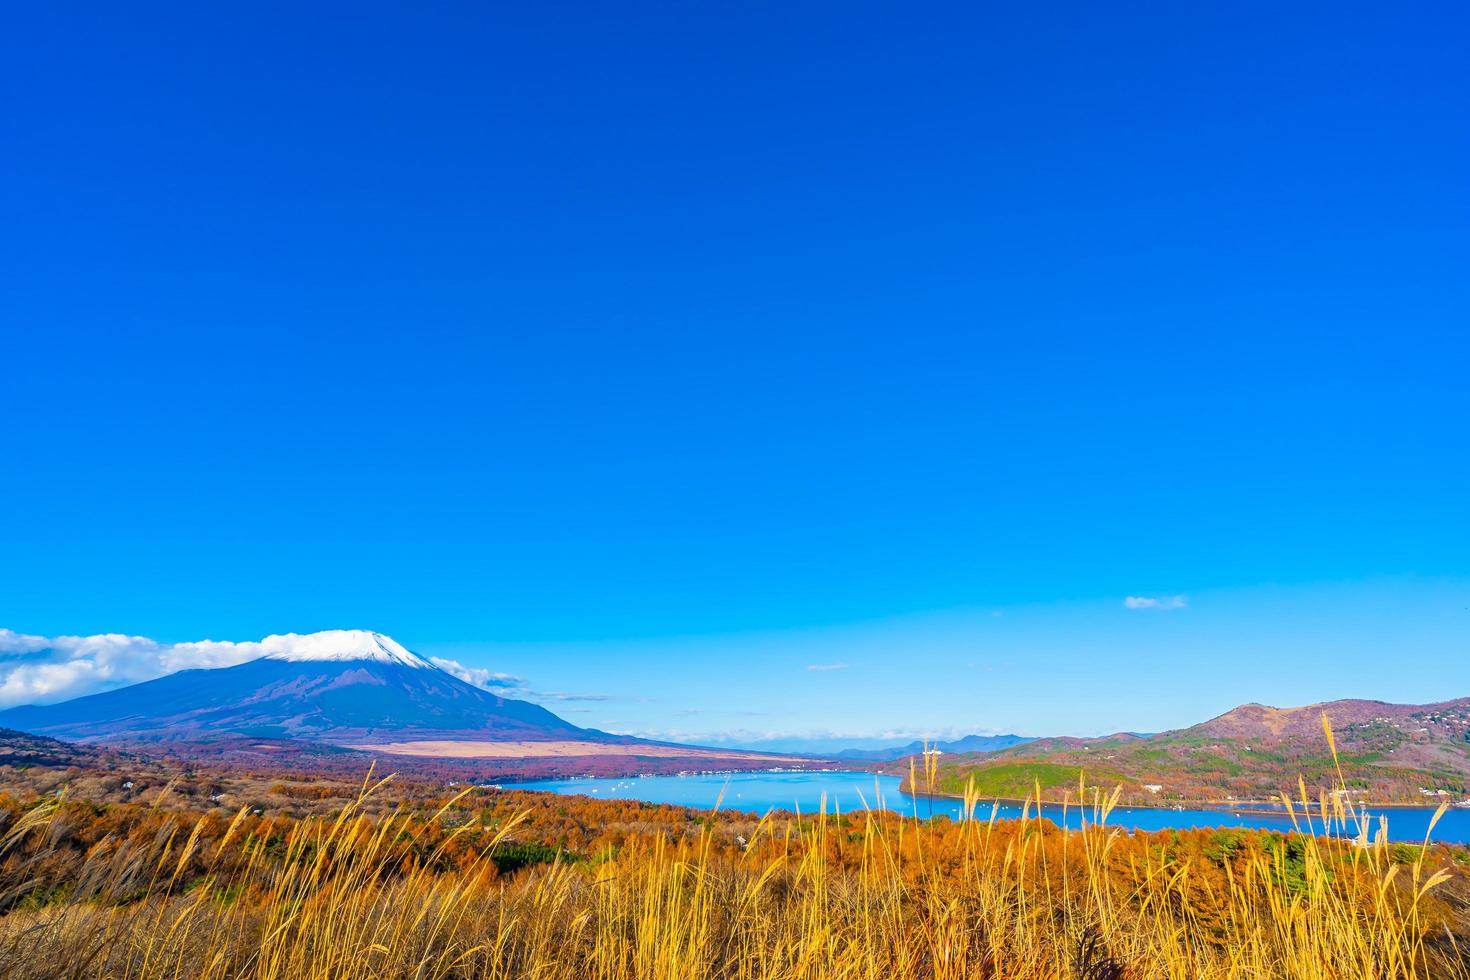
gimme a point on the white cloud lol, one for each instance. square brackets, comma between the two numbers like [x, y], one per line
[39, 669]
[512, 686]
[490, 680]
[1162, 602]
[13, 642]
[827, 666]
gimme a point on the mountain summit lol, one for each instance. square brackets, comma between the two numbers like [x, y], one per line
[341, 645]
[347, 687]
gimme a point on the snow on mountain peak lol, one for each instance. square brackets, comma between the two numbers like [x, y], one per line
[341, 645]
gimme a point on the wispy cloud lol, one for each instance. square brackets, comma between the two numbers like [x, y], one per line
[1162, 602]
[513, 686]
[827, 666]
[479, 676]
[569, 696]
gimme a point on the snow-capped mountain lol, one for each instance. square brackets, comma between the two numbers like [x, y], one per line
[340, 645]
[338, 686]
[332, 645]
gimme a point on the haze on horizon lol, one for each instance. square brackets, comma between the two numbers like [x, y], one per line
[746, 375]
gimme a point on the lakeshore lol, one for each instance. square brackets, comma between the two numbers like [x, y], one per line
[1206, 803]
[845, 792]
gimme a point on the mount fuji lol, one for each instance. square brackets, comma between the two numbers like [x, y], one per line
[343, 687]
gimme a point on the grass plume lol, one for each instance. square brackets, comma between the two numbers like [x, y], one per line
[864, 896]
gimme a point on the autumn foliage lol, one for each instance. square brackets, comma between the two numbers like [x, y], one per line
[491, 884]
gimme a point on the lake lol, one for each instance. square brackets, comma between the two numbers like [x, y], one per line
[759, 792]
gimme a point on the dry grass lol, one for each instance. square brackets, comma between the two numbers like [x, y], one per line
[868, 896]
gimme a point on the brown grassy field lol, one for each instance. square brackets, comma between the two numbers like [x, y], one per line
[393, 880]
[463, 889]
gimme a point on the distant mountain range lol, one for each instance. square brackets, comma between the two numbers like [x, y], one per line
[970, 743]
[1389, 753]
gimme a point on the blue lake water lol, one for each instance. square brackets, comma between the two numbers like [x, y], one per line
[759, 792]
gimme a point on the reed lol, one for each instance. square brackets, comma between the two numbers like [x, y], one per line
[826, 895]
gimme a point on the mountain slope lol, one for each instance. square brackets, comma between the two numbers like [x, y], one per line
[1389, 753]
[24, 749]
[1348, 716]
[341, 687]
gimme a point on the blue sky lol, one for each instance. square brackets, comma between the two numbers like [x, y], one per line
[657, 354]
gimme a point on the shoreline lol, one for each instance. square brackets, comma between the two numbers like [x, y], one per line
[1258, 807]
[1253, 807]
[511, 781]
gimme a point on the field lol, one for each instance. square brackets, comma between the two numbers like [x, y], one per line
[390, 879]
[563, 749]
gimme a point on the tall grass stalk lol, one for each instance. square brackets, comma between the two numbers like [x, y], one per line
[866, 896]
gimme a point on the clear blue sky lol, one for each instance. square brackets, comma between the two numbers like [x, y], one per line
[665, 351]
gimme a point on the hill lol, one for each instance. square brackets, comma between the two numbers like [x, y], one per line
[1389, 753]
[970, 743]
[24, 750]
